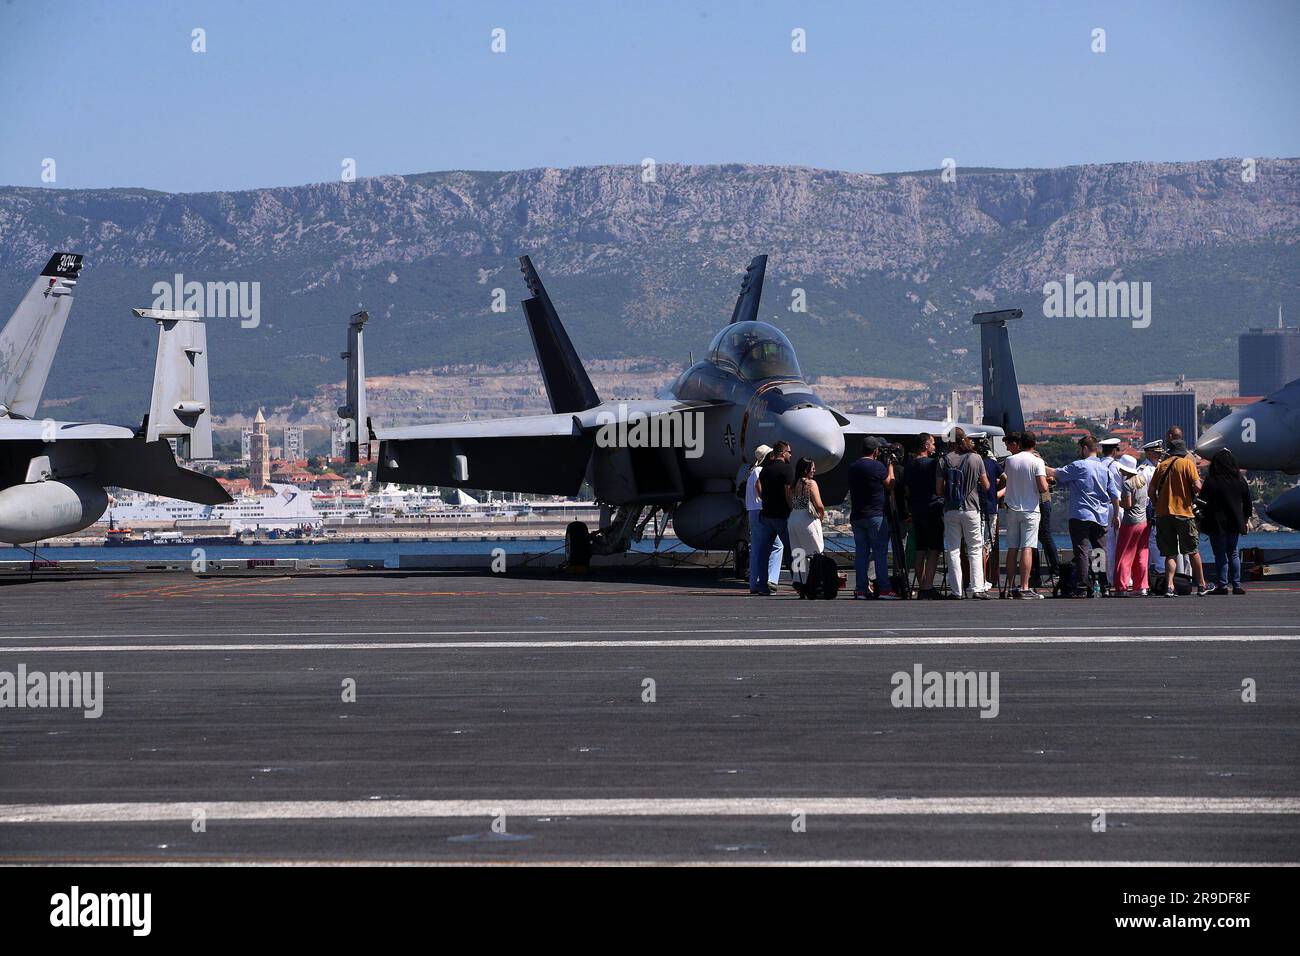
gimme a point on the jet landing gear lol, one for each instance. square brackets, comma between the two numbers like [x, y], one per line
[577, 548]
[618, 530]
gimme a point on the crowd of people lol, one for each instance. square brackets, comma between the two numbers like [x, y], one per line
[951, 504]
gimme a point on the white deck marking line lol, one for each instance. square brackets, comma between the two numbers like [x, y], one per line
[790, 643]
[489, 632]
[636, 807]
[164, 862]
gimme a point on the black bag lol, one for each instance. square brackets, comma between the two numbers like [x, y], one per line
[1182, 584]
[1064, 580]
[823, 578]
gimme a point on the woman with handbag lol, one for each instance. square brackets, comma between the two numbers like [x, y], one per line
[806, 514]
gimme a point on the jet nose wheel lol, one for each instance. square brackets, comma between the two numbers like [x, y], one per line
[577, 547]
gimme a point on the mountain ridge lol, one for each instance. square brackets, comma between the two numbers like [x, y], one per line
[892, 265]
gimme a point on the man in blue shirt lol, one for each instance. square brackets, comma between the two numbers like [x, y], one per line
[869, 481]
[1094, 493]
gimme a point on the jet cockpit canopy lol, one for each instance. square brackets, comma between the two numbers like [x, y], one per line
[754, 351]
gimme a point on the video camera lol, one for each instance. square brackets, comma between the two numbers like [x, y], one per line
[894, 454]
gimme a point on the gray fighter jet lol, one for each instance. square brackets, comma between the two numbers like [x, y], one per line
[52, 473]
[1264, 436]
[679, 456]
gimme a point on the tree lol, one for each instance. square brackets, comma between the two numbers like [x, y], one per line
[1058, 450]
[1214, 413]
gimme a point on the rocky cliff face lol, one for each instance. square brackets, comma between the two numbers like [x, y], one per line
[891, 265]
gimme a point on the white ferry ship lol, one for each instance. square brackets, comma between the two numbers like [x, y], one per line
[340, 505]
[285, 507]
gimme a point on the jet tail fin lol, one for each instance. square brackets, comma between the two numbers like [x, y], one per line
[567, 385]
[180, 407]
[31, 336]
[998, 371]
[355, 413]
[751, 291]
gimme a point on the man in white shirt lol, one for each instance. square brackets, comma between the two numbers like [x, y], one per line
[754, 505]
[1026, 481]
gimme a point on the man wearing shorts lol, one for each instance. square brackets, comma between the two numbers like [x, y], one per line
[1175, 483]
[1026, 481]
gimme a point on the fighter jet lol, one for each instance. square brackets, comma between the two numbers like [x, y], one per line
[1264, 436]
[53, 474]
[680, 455]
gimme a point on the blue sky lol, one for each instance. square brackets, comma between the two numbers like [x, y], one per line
[112, 91]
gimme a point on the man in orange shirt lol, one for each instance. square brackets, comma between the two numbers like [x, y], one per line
[1175, 483]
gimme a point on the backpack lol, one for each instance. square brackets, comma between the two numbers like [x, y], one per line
[823, 578]
[954, 485]
[1064, 586]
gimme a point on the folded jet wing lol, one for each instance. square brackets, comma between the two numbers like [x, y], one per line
[541, 454]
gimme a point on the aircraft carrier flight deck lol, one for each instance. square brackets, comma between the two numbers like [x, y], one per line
[660, 716]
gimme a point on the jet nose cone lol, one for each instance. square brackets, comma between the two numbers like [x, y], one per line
[1259, 436]
[1212, 441]
[813, 433]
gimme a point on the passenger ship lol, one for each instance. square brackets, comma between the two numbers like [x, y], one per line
[285, 507]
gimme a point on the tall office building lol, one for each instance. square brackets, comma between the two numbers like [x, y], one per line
[1160, 410]
[293, 443]
[1267, 359]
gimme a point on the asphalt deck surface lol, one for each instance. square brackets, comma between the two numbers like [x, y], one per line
[478, 696]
